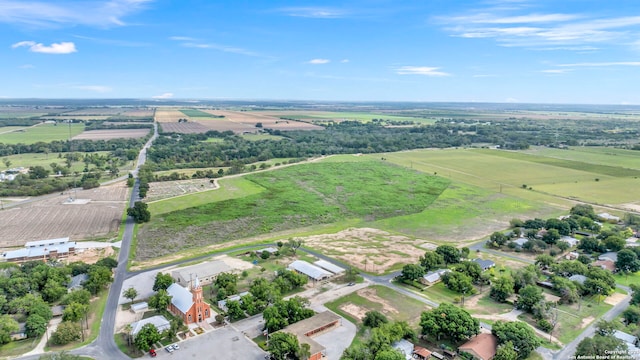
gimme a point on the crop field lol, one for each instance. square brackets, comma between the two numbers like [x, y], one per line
[62, 117]
[41, 132]
[507, 172]
[225, 124]
[197, 113]
[294, 197]
[184, 128]
[54, 217]
[112, 134]
[328, 116]
[167, 189]
[251, 119]
[594, 155]
[138, 112]
[169, 115]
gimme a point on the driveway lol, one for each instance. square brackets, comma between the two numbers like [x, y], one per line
[337, 340]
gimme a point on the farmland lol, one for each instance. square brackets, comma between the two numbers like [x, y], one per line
[329, 116]
[96, 213]
[41, 133]
[112, 134]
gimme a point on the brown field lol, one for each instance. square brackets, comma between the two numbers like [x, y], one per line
[269, 122]
[138, 112]
[169, 115]
[167, 189]
[368, 249]
[112, 134]
[76, 117]
[95, 111]
[184, 128]
[97, 212]
[224, 124]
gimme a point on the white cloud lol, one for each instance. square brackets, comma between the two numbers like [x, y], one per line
[344, 61]
[314, 12]
[100, 13]
[420, 70]
[181, 38]
[94, 88]
[318, 61]
[223, 48]
[603, 64]
[55, 48]
[167, 95]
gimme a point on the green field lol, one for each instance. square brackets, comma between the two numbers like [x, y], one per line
[258, 137]
[294, 197]
[43, 133]
[197, 113]
[552, 180]
[595, 155]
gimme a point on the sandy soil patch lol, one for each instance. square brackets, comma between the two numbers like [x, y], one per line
[91, 256]
[169, 115]
[551, 298]
[112, 134]
[167, 189]
[234, 263]
[269, 122]
[586, 321]
[354, 310]
[615, 298]
[371, 295]
[184, 128]
[631, 206]
[368, 249]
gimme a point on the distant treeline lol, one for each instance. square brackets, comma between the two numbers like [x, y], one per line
[190, 151]
[62, 146]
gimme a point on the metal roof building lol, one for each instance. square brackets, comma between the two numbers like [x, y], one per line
[312, 271]
[329, 266]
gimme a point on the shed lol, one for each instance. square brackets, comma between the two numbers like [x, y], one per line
[405, 347]
[329, 266]
[313, 272]
[139, 307]
[160, 322]
[433, 277]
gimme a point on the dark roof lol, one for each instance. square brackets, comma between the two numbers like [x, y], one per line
[484, 264]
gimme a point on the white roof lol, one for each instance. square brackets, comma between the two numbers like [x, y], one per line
[203, 270]
[40, 251]
[433, 276]
[405, 347]
[627, 338]
[608, 216]
[47, 242]
[578, 278]
[329, 266]
[180, 297]
[160, 322]
[520, 241]
[139, 306]
[310, 270]
[570, 240]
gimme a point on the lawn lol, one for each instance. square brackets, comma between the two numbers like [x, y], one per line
[294, 197]
[595, 155]
[15, 348]
[627, 280]
[43, 132]
[258, 137]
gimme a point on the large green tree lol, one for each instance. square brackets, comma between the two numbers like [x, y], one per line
[450, 254]
[431, 260]
[146, 337]
[412, 272]
[66, 332]
[99, 277]
[160, 300]
[519, 334]
[374, 319]
[529, 297]
[8, 325]
[450, 321]
[458, 282]
[599, 345]
[35, 325]
[162, 281]
[283, 346]
[627, 261]
[139, 212]
[501, 288]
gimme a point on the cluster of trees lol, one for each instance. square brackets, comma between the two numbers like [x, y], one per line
[117, 146]
[602, 344]
[285, 312]
[28, 290]
[514, 335]
[378, 346]
[443, 256]
[140, 212]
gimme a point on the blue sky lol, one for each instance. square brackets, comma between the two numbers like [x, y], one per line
[569, 51]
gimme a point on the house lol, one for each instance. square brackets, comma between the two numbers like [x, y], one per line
[188, 304]
[519, 242]
[570, 240]
[314, 273]
[306, 329]
[77, 282]
[206, 272]
[160, 322]
[484, 264]
[433, 277]
[421, 353]
[335, 269]
[630, 340]
[580, 279]
[21, 334]
[222, 304]
[405, 347]
[572, 255]
[482, 346]
[57, 310]
[608, 217]
[611, 255]
[606, 264]
[42, 250]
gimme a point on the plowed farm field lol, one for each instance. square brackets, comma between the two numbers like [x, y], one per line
[269, 122]
[96, 212]
[184, 128]
[112, 134]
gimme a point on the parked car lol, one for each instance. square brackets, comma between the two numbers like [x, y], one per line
[169, 348]
[351, 284]
[152, 353]
[176, 347]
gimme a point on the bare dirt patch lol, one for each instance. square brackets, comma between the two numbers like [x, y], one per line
[371, 295]
[586, 321]
[354, 310]
[112, 134]
[269, 122]
[91, 256]
[50, 217]
[615, 298]
[168, 189]
[369, 249]
[184, 128]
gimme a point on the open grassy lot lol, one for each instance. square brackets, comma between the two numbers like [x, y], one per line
[45, 160]
[42, 132]
[627, 280]
[396, 306]
[229, 189]
[594, 155]
[258, 137]
[295, 197]
[552, 180]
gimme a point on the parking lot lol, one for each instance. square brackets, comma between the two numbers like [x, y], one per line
[221, 344]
